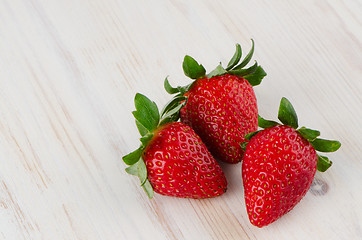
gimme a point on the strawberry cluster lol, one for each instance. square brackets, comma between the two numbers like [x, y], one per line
[215, 118]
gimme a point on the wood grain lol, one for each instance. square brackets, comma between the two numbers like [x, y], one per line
[68, 74]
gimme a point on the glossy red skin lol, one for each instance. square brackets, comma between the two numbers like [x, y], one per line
[278, 169]
[222, 110]
[179, 164]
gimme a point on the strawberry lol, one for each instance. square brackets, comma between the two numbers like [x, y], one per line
[279, 165]
[179, 164]
[222, 115]
[172, 160]
[221, 106]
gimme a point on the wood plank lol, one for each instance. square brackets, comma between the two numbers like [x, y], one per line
[69, 71]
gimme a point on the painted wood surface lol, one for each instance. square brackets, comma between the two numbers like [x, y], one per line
[69, 71]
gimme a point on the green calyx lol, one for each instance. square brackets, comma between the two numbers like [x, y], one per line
[148, 119]
[288, 116]
[253, 74]
[192, 69]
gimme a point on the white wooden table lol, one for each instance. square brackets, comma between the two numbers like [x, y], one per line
[69, 71]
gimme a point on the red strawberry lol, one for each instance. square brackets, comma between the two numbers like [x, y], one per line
[279, 165]
[172, 159]
[179, 164]
[278, 169]
[222, 110]
[221, 106]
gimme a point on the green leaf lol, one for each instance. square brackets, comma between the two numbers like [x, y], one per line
[146, 139]
[255, 78]
[146, 112]
[172, 115]
[169, 89]
[235, 59]
[219, 70]
[185, 89]
[244, 72]
[243, 145]
[192, 69]
[174, 102]
[148, 189]
[324, 145]
[250, 135]
[168, 119]
[309, 134]
[133, 157]
[139, 171]
[266, 123]
[142, 171]
[323, 163]
[287, 114]
[141, 129]
[248, 57]
[133, 169]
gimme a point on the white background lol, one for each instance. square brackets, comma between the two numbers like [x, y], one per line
[69, 71]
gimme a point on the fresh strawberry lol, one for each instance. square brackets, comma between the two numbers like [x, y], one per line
[179, 164]
[221, 106]
[222, 110]
[172, 160]
[279, 164]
